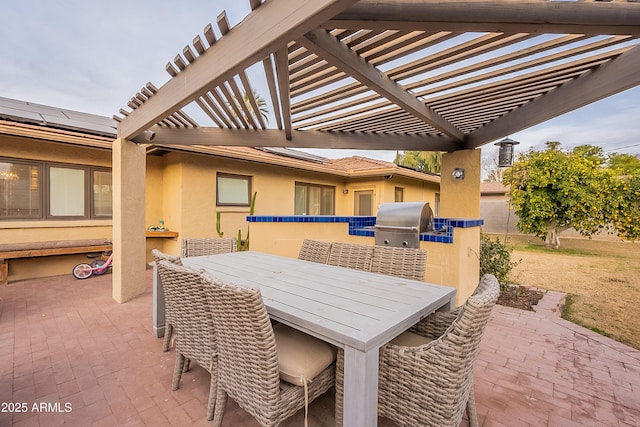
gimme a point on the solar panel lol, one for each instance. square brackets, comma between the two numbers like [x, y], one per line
[27, 112]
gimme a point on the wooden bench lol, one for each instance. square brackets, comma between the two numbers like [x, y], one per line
[39, 249]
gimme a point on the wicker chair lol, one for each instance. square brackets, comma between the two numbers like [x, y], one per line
[351, 255]
[169, 318]
[400, 262]
[432, 384]
[314, 250]
[196, 339]
[208, 246]
[252, 357]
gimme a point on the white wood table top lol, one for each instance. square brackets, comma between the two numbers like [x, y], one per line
[344, 306]
[356, 310]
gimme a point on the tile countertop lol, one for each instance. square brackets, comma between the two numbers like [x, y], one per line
[364, 225]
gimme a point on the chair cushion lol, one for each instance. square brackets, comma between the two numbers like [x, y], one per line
[301, 357]
[410, 339]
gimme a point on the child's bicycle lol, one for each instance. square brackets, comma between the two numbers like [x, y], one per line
[97, 267]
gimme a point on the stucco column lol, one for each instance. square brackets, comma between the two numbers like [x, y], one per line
[129, 240]
[460, 198]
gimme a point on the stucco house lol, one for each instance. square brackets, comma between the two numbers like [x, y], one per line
[56, 185]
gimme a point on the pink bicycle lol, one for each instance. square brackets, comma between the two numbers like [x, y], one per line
[97, 267]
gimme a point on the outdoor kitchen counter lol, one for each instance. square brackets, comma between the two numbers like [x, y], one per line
[364, 225]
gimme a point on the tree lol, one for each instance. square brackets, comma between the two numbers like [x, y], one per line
[554, 190]
[625, 164]
[625, 206]
[491, 172]
[263, 109]
[423, 161]
[260, 102]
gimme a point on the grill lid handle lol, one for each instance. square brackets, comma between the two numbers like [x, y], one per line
[396, 227]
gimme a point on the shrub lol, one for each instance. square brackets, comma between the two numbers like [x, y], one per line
[495, 258]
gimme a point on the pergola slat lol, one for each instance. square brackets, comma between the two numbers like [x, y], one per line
[426, 67]
[609, 78]
[263, 31]
[271, 82]
[326, 46]
[209, 112]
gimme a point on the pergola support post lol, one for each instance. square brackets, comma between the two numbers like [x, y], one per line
[460, 197]
[129, 239]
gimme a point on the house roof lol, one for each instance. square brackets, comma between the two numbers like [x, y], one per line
[493, 188]
[48, 123]
[391, 74]
[352, 167]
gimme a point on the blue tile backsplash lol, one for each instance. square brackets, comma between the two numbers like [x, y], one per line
[364, 225]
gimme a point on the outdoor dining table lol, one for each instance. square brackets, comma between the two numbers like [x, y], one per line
[356, 310]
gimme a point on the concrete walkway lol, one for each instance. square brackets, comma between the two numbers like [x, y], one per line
[70, 355]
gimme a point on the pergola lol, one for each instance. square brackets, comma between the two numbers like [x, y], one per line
[375, 74]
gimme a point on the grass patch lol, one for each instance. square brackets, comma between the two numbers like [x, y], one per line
[571, 314]
[600, 279]
[566, 251]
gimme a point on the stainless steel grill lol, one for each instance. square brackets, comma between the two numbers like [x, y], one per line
[400, 224]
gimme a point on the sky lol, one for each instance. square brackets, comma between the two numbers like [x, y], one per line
[93, 56]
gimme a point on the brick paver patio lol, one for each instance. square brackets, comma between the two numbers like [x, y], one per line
[70, 355]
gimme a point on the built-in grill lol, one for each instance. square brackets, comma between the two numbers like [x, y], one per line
[400, 224]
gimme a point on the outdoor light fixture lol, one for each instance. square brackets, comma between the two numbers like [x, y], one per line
[149, 135]
[345, 191]
[505, 155]
[458, 173]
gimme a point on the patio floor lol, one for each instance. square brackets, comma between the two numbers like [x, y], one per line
[68, 345]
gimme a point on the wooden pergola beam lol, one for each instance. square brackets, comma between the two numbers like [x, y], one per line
[612, 77]
[482, 16]
[176, 137]
[265, 30]
[336, 53]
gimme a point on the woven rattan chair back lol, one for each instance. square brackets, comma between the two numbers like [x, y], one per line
[248, 360]
[442, 370]
[196, 338]
[198, 246]
[432, 385]
[351, 256]
[169, 300]
[399, 262]
[315, 251]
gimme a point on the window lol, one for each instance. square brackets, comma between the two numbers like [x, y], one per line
[66, 192]
[102, 194]
[313, 199]
[20, 191]
[233, 190]
[399, 194]
[43, 190]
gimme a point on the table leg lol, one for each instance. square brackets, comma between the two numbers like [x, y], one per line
[360, 387]
[158, 304]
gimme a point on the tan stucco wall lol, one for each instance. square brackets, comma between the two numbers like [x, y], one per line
[24, 148]
[185, 185]
[384, 192]
[37, 231]
[180, 189]
[455, 264]
[460, 198]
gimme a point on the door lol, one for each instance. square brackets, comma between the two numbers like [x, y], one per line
[363, 203]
